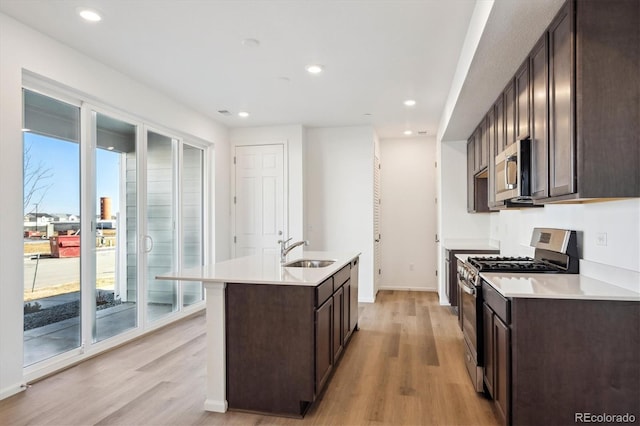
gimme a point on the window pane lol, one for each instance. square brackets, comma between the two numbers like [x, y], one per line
[160, 245]
[51, 186]
[116, 278]
[192, 219]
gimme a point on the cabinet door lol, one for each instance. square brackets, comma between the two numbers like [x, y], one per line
[502, 366]
[499, 111]
[470, 174]
[484, 150]
[561, 111]
[491, 157]
[487, 328]
[477, 158]
[522, 101]
[346, 308]
[539, 120]
[324, 340]
[509, 114]
[338, 338]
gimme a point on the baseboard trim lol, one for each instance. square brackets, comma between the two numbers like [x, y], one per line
[215, 406]
[12, 390]
[404, 288]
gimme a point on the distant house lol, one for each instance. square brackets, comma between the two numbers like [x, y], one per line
[64, 217]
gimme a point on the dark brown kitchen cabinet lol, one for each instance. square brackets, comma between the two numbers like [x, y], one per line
[509, 94]
[497, 363]
[538, 352]
[561, 113]
[539, 177]
[283, 341]
[346, 311]
[470, 174]
[594, 58]
[324, 343]
[502, 366]
[477, 183]
[497, 349]
[481, 146]
[338, 321]
[488, 371]
[523, 100]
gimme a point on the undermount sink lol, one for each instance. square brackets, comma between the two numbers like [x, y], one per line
[309, 263]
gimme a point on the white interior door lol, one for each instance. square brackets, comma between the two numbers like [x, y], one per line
[259, 199]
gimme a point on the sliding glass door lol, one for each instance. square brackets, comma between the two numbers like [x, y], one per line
[159, 242]
[108, 205]
[52, 252]
[116, 289]
[192, 204]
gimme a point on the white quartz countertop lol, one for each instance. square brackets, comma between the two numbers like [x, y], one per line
[556, 286]
[265, 269]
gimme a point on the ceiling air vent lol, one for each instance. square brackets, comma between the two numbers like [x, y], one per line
[224, 112]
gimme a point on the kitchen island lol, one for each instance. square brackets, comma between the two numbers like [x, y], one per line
[275, 332]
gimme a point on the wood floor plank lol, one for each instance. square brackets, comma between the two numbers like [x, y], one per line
[404, 367]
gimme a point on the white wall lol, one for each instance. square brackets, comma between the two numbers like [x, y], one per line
[22, 48]
[293, 136]
[339, 195]
[618, 262]
[454, 223]
[408, 213]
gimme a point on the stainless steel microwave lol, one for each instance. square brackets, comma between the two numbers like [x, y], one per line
[513, 167]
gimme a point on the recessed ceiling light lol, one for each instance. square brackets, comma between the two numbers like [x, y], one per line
[409, 102]
[89, 15]
[250, 42]
[408, 132]
[314, 69]
[26, 130]
[368, 114]
[110, 148]
[243, 114]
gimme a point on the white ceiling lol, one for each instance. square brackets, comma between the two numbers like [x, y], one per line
[376, 54]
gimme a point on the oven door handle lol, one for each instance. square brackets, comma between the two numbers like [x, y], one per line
[467, 289]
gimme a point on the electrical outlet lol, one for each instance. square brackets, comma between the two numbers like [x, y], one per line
[601, 239]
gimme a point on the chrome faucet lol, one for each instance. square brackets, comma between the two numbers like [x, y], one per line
[284, 249]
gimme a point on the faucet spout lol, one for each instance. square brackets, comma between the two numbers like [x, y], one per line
[284, 249]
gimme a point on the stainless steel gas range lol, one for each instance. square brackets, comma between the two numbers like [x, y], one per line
[556, 251]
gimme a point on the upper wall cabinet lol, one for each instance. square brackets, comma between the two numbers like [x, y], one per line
[509, 95]
[576, 98]
[539, 119]
[523, 101]
[594, 125]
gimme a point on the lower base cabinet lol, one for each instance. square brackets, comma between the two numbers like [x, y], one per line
[557, 361]
[283, 342]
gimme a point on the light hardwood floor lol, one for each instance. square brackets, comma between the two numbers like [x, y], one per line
[404, 367]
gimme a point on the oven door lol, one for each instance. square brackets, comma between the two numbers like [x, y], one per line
[471, 311]
[468, 307]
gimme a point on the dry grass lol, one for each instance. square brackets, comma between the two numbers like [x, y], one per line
[56, 290]
[39, 247]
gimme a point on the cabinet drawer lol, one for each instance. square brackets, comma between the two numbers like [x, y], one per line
[496, 302]
[324, 291]
[342, 276]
